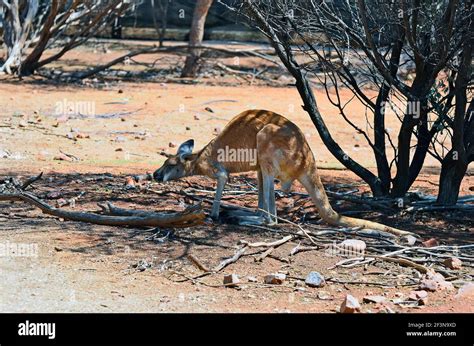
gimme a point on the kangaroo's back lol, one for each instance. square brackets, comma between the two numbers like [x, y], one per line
[240, 136]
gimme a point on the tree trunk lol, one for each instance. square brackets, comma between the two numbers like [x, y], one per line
[196, 35]
[18, 20]
[452, 173]
[455, 163]
[163, 23]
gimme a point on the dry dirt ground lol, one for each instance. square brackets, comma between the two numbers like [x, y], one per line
[117, 128]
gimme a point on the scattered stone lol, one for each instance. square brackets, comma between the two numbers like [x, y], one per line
[196, 117]
[120, 139]
[323, 295]
[22, 123]
[433, 281]
[120, 91]
[315, 279]
[188, 128]
[275, 279]
[81, 135]
[386, 310]
[58, 249]
[61, 202]
[466, 290]
[417, 295]
[374, 299]
[409, 240]
[172, 144]
[231, 280]
[130, 183]
[251, 279]
[119, 149]
[209, 109]
[142, 265]
[217, 130]
[350, 305]
[430, 243]
[453, 263]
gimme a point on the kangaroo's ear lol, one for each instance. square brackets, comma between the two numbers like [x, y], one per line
[186, 148]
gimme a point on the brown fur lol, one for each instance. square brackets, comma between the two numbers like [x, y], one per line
[283, 153]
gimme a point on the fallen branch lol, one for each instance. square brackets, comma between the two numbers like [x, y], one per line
[230, 260]
[263, 255]
[272, 244]
[190, 217]
[198, 263]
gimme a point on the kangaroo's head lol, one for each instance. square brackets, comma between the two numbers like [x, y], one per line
[177, 166]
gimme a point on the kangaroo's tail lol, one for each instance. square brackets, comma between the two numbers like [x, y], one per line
[315, 188]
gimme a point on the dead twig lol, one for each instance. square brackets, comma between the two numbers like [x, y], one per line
[198, 263]
[230, 260]
[272, 244]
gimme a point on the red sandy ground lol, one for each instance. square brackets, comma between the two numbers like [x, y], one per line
[87, 268]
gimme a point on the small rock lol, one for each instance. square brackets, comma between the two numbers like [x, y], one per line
[120, 91]
[433, 281]
[430, 243]
[209, 109]
[130, 183]
[275, 279]
[429, 285]
[417, 295]
[387, 310]
[453, 263]
[120, 139]
[119, 149]
[323, 295]
[22, 123]
[58, 249]
[315, 279]
[374, 299]
[217, 130]
[350, 305]
[81, 135]
[196, 117]
[409, 240]
[231, 280]
[172, 144]
[188, 128]
[142, 265]
[251, 279]
[465, 291]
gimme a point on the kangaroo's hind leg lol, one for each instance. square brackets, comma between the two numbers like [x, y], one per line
[260, 189]
[269, 205]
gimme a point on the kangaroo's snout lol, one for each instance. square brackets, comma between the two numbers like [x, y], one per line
[158, 175]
